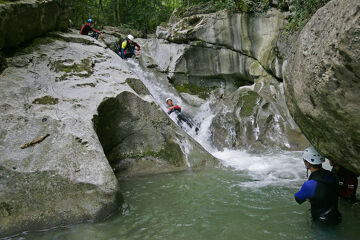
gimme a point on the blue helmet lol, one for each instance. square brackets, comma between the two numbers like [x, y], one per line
[90, 20]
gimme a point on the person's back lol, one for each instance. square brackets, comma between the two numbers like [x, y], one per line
[321, 189]
[324, 203]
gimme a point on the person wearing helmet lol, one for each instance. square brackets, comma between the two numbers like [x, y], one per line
[87, 27]
[128, 47]
[321, 189]
[348, 182]
[181, 118]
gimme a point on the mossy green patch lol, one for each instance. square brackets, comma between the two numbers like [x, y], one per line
[4, 2]
[82, 69]
[46, 100]
[247, 103]
[202, 92]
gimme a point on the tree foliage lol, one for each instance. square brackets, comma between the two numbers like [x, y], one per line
[145, 15]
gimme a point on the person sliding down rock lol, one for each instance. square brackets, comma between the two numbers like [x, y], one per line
[87, 27]
[321, 190]
[127, 49]
[181, 118]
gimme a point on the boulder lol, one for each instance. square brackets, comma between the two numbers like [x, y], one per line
[53, 170]
[22, 21]
[138, 138]
[203, 65]
[322, 82]
[255, 118]
[53, 164]
[252, 35]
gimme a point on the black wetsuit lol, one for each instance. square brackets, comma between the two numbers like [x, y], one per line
[181, 117]
[322, 190]
[86, 28]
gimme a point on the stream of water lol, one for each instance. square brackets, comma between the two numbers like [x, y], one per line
[251, 197]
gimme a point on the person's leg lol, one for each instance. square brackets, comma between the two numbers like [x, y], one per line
[184, 119]
[95, 35]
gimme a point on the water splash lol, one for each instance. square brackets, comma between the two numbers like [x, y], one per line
[281, 168]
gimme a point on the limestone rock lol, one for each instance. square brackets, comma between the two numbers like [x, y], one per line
[137, 86]
[256, 118]
[200, 65]
[54, 87]
[40, 17]
[252, 35]
[322, 82]
[138, 137]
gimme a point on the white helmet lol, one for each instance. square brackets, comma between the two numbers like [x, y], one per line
[168, 99]
[130, 37]
[312, 156]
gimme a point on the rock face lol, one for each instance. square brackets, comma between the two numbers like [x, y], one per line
[21, 21]
[233, 56]
[253, 36]
[53, 169]
[255, 118]
[54, 87]
[322, 82]
[139, 137]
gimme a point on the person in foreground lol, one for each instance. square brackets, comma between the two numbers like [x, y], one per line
[87, 27]
[128, 48]
[321, 189]
[348, 182]
[181, 118]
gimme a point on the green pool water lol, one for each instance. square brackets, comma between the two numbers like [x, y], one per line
[222, 203]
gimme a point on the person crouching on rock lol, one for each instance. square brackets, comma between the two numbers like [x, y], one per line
[128, 48]
[87, 27]
[348, 182]
[321, 190]
[181, 118]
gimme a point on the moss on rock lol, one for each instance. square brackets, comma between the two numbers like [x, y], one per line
[82, 69]
[202, 92]
[247, 103]
[46, 100]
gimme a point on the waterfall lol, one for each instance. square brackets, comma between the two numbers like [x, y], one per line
[279, 167]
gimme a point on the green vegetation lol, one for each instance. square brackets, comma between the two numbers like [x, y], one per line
[247, 103]
[46, 100]
[302, 12]
[193, 89]
[146, 15]
[84, 66]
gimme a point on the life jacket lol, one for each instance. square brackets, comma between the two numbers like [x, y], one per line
[324, 203]
[176, 109]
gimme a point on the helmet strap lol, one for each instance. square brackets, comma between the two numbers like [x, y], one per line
[307, 172]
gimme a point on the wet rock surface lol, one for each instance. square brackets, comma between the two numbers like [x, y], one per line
[48, 89]
[234, 57]
[322, 82]
[139, 138]
[53, 169]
